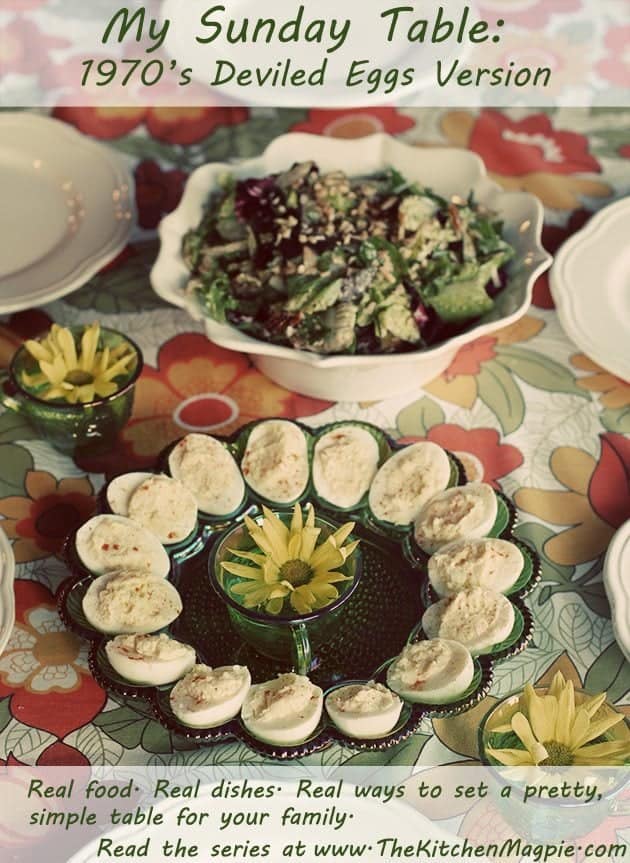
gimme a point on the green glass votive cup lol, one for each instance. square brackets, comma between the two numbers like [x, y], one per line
[288, 637]
[553, 818]
[86, 427]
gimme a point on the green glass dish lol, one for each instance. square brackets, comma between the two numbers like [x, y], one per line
[374, 622]
[74, 429]
[290, 638]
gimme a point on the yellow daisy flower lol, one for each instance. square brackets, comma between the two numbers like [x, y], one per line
[554, 730]
[76, 376]
[290, 564]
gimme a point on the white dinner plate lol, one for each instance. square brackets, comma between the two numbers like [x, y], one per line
[7, 602]
[67, 209]
[590, 285]
[616, 563]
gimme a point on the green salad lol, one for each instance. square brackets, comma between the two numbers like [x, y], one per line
[332, 264]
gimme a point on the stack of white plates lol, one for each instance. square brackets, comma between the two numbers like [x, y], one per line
[67, 209]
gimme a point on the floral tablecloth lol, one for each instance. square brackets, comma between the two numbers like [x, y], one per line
[544, 422]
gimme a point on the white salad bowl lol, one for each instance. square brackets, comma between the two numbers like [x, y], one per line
[349, 377]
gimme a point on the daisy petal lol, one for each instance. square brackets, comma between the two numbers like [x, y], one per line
[523, 730]
[65, 340]
[310, 536]
[296, 520]
[566, 714]
[326, 556]
[596, 729]
[38, 350]
[539, 716]
[510, 757]
[591, 705]
[328, 577]
[611, 748]
[274, 606]
[342, 534]
[243, 570]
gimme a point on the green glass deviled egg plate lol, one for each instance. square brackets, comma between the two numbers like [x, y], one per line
[381, 616]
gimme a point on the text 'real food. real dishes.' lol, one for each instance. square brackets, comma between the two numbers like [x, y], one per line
[327, 263]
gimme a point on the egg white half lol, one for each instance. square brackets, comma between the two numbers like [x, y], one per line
[207, 697]
[130, 602]
[463, 512]
[165, 507]
[407, 480]
[149, 659]
[492, 563]
[275, 463]
[284, 711]
[209, 471]
[436, 671]
[477, 618]
[345, 461]
[120, 489]
[374, 718]
[111, 542]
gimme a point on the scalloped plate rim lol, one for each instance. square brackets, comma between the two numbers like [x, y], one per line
[591, 238]
[7, 597]
[617, 592]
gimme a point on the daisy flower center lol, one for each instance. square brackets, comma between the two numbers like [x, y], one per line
[296, 572]
[79, 378]
[558, 755]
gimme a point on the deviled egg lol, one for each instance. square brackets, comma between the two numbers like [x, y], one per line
[473, 466]
[345, 461]
[209, 471]
[275, 462]
[164, 506]
[435, 671]
[120, 489]
[110, 542]
[364, 710]
[467, 563]
[477, 618]
[284, 711]
[407, 480]
[130, 602]
[463, 512]
[150, 659]
[207, 697]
